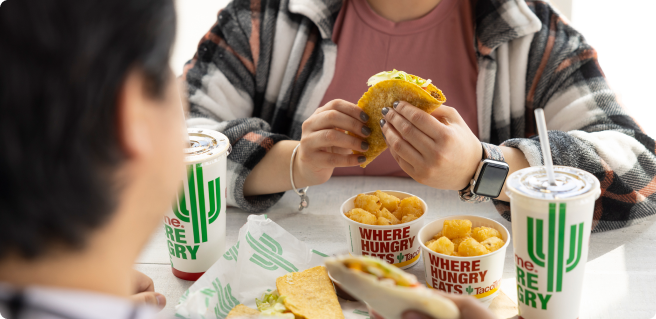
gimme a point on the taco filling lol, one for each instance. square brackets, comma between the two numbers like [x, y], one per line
[400, 75]
[273, 304]
[383, 271]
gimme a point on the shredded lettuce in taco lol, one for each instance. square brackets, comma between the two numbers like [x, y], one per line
[383, 271]
[398, 75]
[272, 304]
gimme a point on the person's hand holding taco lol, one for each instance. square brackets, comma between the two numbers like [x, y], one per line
[438, 149]
[324, 146]
[430, 141]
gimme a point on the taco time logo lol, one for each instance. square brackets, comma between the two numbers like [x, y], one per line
[553, 262]
[388, 244]
[182, 244]
[455, 276]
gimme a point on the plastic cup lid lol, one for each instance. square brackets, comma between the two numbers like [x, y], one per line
[570, 182]
[205, 143]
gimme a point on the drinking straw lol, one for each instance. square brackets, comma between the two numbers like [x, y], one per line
[184, 125]
[544, 144]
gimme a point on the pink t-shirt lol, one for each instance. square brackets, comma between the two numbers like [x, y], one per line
[438, 46]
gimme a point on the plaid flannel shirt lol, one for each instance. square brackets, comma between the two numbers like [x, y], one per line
[265, 65]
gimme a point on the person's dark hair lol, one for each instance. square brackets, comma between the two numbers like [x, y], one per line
[62, 64]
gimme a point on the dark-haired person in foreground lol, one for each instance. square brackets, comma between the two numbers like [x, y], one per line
[91, 142]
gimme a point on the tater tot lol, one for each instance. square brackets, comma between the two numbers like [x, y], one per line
[408, 218]
[470, 247]
[386, 214]
[457, 241]
[382, 221]
[390, 202]
[430, 242]
[442, 246]
[493, 243]
[362, 216]
[369, 203]
[398, 214]
[482, 233]
[410, 205]
[457, 228]
[438, 235]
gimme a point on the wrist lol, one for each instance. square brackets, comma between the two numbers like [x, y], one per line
[516, 160]
[304, 173]
[490, 176]
[472, 167]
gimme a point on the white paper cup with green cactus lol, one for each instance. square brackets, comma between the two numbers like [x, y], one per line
[195, 227]
[551, 232]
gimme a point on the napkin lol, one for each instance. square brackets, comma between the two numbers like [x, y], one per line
[264, 252]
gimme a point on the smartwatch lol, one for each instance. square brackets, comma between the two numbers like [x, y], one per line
[489, 178]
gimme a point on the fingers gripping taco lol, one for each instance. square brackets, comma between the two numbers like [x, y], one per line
[387, 289]
[387, 88]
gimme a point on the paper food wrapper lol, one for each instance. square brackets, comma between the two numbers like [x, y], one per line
[264, 252]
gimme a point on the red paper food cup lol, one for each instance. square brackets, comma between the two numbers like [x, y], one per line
[396, 244]
[478, 276]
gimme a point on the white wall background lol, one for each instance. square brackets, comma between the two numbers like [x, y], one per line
[620, 30]
[195, 18]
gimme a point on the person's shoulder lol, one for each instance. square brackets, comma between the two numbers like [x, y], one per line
[544, 11]
[255, 6]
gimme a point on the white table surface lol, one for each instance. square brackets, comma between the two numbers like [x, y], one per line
[620, 279]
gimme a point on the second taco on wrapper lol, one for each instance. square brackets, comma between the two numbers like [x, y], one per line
[387, 88]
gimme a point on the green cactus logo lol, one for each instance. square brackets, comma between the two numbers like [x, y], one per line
[226, 300]
[268, 253]
[469, 290]
[198, 214]
[400, 257]
[555, 257]
[232, 253]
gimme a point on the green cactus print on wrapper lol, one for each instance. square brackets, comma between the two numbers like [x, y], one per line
[199, 216]
[232, 253]
[268, 253]
[226, 300]
[554, 260]
[469, 290]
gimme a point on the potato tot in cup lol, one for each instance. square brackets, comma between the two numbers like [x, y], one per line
[388, 235]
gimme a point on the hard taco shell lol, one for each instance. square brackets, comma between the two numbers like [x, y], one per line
[384, 94]
[310, 294]
[241, 311]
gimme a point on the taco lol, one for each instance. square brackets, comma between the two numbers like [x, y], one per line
[387, 88]
[387, 289]
[308, 294]
[241, 311]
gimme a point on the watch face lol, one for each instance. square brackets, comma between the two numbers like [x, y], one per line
[490, 180]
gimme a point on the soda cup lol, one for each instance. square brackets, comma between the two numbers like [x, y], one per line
[195, 227]
[551, 231]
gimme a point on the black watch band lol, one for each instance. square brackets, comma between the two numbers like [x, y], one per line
[491, 152]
